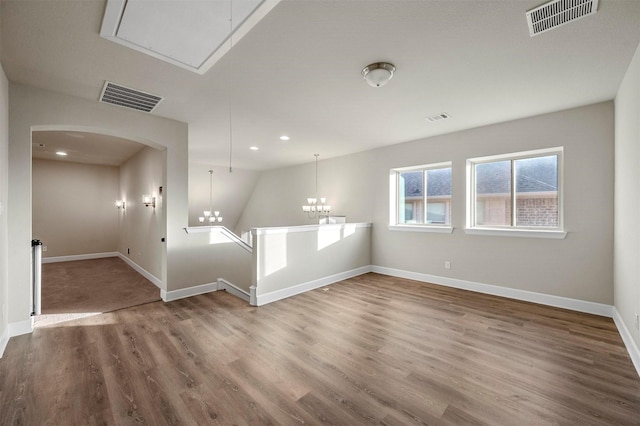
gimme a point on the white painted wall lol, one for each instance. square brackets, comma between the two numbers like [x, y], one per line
[212, 255]
[357, 186]
[4, 201]
[627, 199]
[35, 109]
[73, 207]
[141, 228]
[290, 258]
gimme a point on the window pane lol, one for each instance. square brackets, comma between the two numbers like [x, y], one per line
[410, 192]
[537, 192]
[439, 196]
[493, 193]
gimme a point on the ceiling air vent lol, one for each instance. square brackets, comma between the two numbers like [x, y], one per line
[129, 98]
[557, 13]
[438, 117]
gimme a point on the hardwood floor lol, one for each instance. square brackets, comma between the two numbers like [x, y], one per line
[94, 285]
[369, 350]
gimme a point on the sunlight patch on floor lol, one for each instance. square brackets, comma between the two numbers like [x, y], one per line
[46, 320]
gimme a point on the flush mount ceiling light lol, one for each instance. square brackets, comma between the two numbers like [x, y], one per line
[378, 74]
[61, 153]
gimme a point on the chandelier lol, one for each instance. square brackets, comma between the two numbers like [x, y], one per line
[316, 207]
[210, 216]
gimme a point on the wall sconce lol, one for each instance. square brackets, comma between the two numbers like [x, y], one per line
[148, 200]
[120, 204]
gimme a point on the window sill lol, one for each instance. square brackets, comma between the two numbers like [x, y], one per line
[422, 228]
[527, 233]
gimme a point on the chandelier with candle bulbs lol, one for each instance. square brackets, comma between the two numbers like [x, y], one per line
[210, 216]
[316, 207]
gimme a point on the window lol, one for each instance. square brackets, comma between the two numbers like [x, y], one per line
[411, 206]
[520, 191]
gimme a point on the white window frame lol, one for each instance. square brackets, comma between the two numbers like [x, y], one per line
[394, 191]
[510, 230]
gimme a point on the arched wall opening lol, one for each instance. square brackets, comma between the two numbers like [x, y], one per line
[77, 177]
[34, 109]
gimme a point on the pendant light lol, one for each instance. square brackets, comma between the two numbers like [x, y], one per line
[210, 216]
[316, 207]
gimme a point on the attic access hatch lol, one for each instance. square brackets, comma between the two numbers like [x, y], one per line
[193, 35]
[556, 13]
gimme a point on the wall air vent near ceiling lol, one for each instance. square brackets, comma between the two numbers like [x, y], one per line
[557, 13]
[129, 98]
[438, 117]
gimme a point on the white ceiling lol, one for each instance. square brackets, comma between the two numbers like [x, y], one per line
[297, 72]
[83, 147]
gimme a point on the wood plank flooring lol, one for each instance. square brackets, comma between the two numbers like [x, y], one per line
[369, 350]
[93, 285]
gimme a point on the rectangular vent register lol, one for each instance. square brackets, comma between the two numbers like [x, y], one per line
[127, 97]
[556, 13]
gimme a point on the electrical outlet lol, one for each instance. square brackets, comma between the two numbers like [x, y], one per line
[44, 248]
[637, 322]
[128, 250]
[447, 264]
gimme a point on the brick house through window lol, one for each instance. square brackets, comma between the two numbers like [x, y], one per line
[438, 211]
[536, 192]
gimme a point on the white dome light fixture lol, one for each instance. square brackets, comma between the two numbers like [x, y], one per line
[378, 74]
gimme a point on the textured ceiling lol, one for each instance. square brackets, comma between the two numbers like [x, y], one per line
[297, 72]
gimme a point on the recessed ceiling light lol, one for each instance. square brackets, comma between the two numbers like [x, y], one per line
[284, 138]
[254, 148]
[61, 153]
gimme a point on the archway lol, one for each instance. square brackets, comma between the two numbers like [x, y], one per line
[98, 257]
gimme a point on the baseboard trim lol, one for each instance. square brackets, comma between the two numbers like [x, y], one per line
[630, 344]
[233, 289]
[139, 269]
[263, 299]
[4, 340]
[21, 327]
[72, 258]
[169, 296]
[524, 295]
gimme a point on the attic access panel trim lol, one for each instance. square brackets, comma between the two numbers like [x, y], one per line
[190, 35]
[556, 13]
